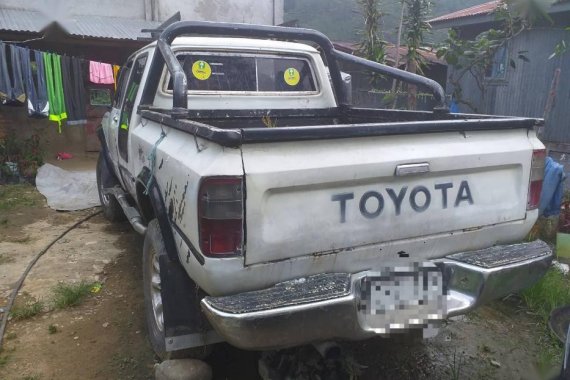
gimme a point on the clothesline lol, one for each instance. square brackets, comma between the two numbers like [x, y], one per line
[52, 85]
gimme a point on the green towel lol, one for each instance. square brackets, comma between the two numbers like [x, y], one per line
[52, 63]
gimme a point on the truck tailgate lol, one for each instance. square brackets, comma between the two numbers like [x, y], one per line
[316, 197]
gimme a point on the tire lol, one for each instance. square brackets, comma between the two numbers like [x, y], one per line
[105, 179]
[153, 250]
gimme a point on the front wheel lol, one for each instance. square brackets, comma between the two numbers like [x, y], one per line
[153, 250]
[105, 179]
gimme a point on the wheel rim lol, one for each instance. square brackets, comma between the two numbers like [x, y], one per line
[155, 295]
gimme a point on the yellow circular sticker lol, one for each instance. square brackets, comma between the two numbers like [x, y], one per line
[201, 70]
[292, 76]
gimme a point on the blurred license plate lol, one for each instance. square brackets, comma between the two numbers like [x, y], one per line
[401, 297]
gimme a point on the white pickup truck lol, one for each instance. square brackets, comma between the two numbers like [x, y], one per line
[275, 214]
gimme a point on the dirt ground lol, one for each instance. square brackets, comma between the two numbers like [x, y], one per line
[105, 337]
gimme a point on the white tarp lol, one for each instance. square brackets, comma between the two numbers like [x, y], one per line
[67, 191]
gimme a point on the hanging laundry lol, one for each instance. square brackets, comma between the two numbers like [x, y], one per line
[116, 69]
[101, 73]
[35, 85]
[5, 82]
[74, 90]
[56, 98]
[18, 93]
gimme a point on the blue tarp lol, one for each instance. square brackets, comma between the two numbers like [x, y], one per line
[552, 188]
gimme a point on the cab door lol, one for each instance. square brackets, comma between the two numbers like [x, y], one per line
[127, 118]
[112, 119]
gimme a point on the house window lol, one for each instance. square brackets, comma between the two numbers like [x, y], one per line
[497, 69]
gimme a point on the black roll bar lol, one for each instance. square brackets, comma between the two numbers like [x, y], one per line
[180, 82]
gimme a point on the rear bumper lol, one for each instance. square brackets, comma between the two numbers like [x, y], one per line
[326, 306]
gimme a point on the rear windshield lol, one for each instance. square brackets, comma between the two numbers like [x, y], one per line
[207, 72]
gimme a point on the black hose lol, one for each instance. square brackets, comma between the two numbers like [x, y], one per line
[25, 274]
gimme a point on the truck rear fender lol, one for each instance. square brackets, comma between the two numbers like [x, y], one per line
[184, 322]
[152, 206]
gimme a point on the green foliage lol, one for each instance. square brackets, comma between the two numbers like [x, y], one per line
[341, 21]
[372, 45]
[552, 291]
[68, 295]
[416, 28]
[5, 259]
[15, 196]
[27, 153]
[529, 12]
[28, 310]
[561, 48]
[456, 365]
[475, 56]
[32, 377]
[4, 360]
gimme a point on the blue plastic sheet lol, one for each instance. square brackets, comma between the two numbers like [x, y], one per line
[552, 188]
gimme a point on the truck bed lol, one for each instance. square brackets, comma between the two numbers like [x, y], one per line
[234, 128]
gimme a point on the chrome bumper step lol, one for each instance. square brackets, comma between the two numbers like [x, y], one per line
[320, 287]
[503, 255]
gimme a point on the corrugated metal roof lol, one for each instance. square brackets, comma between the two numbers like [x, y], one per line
[481, 9]
[22, 21]
[107, 27]
[18, 20]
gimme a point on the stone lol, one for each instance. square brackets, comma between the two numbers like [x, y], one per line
[495, 363]
[183, 369]
[106, 324]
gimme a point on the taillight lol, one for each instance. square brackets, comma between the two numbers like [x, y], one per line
[536, 178]
[220, 216]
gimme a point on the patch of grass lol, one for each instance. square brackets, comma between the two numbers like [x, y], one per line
[27, 310]
[6, 259]
[14, 196]
[552, 291]
[456, 365]
[52, 329]
[31, 377]
[68, 295]
[485, 349]
[4, 360]
[11, 336]
[549, 357]
[125, 363]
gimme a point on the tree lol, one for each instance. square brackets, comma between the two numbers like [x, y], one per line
[474, 57]
[372, 45]
[398, 44]
[416, 28]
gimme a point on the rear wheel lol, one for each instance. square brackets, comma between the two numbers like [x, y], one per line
[105, 179]
[153, 250]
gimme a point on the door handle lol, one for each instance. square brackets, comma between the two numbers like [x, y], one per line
[411, 169]
[115, 118]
